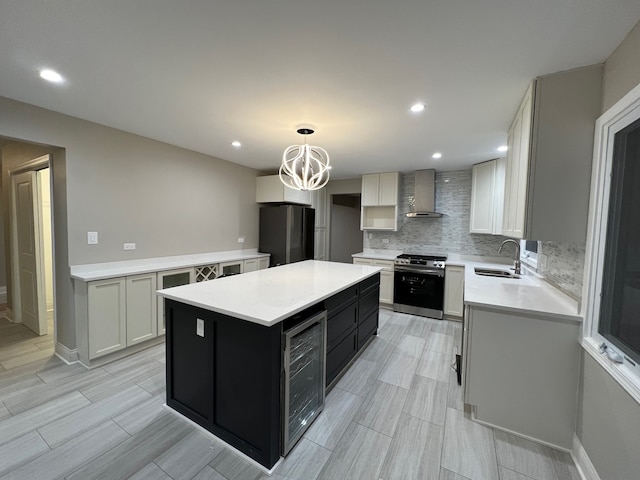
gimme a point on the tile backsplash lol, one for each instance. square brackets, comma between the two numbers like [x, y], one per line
[564, 266]
[449, 234]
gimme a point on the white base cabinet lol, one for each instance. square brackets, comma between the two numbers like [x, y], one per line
[386, 277]
[168, 279]
[454, 291]
[520, 368]
[142, 318]
[107, 315]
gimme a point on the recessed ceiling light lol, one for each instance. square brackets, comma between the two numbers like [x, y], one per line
[503, 148]
[418, 107]
[51, 76]
[236, 144]
[436, 155]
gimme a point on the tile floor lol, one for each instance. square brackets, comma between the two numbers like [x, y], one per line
[396, 414]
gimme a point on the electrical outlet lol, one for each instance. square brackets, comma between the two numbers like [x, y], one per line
[129, 246]
[240, 239]
[92, 238]
[385, 240]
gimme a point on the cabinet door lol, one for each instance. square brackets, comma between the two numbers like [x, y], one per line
[231, 267]
[250, 265]
[142, 319]
[361, 261]
[388, 191]
[168, 279]
[107, 316]
[263, 262]
[370, 189]
[454, 290]
[482, 195]
[386, 286]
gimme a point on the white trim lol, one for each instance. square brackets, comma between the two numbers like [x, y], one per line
[8, 314]
[622, 114]
[226, 445]
[3, 294]
[65, 354]
[583, 463]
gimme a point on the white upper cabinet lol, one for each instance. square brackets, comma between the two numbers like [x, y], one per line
[379, 201]
[549, 158]
[487, 197]
[270, 189]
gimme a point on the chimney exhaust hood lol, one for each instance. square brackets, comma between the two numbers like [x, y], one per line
[424, 195]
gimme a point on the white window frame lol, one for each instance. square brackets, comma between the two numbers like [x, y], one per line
[527, 256]
[622, 114]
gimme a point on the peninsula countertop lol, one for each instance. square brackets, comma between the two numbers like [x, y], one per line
[269, 296]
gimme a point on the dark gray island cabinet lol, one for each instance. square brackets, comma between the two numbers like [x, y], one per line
[227, 360]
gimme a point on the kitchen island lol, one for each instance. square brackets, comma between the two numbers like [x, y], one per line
[225, 341]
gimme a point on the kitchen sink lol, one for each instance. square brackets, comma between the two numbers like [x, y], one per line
[494, 272]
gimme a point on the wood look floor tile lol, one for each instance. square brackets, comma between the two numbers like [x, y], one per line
[150, 472]
[19, 450]
[358, 455]
[60, 462]
[381, 409]
[26, 358]
[427, 400]
[305, 461]
[142, 415]
[439, 326]
[18, 425]
[449, 475]
[435, 365]
[524, 456]
[339, 409]
[418, 327]
[454, 392]
[63, 372]
[564, 465]
[63, 429]
[360, 377]
[208, 473]
[19, 386]
[134, 453]
[392, 333]
[123, 380]
[379, 351]
[190, 455]
[414, 453]
[4, 411]
[506, 474]
[399, 369]
[439, 342]
[412, 346]
[468, 448]
[233, 467]
[401, 319]
[155, 384]
[41, 392]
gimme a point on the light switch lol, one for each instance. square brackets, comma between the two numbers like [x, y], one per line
[240, 239]
[199, 327]
[92, 238]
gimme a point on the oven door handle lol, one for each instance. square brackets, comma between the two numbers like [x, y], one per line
[431, 272]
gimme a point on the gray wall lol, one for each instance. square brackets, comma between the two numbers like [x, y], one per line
[346, 238]
[449, 234]
[167, 200]
[608, 418]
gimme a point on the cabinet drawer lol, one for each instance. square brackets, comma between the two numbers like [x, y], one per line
[369, 284]
[367, 328]
[341, 355]
[340, 300]
[368, 303]
[340, 324]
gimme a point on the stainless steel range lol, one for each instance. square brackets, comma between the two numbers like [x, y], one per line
[419, 285]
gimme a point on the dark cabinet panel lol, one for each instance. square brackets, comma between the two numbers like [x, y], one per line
[367, 328]
[340, 356]
[368, 302]
[340, 300]
[340, 324]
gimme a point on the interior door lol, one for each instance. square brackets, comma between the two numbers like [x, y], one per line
[27, 232]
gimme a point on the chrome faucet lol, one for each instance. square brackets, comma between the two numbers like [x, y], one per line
[517, 264]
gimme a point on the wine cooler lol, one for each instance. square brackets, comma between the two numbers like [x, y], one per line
[304, 377]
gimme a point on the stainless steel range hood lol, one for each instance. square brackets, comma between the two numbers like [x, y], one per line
[424, 195]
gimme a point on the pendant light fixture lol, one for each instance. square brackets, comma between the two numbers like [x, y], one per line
[305, 167]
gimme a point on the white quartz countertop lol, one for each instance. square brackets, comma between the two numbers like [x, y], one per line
[100, 271]
[272, 295]
[528, 294]
[378, 254]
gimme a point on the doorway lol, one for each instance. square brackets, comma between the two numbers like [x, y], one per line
[345, 234]
[31, 247]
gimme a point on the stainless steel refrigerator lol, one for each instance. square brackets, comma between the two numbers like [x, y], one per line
[286, 232]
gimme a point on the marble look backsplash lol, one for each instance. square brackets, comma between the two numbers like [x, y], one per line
[564, 266]
[449, 234]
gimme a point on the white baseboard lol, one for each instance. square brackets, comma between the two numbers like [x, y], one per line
[65, 354]
[3, 294]
[9, 314]
[583, 462]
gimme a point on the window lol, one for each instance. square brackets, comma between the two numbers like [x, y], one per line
[612, 265]
[529, 252]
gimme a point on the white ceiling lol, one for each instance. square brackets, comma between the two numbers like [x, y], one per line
[202, 73]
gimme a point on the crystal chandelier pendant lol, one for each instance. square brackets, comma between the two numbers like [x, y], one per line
[305, 167]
